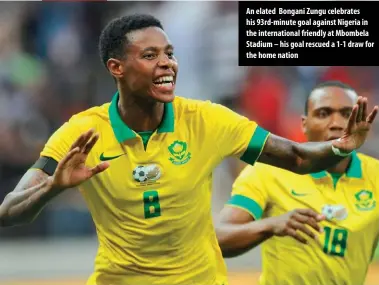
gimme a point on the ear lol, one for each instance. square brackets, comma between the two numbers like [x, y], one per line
[304, 124]
[115, 67]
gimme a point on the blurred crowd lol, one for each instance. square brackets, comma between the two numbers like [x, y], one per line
[50, 69]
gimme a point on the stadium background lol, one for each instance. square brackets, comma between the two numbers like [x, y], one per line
[50, 69]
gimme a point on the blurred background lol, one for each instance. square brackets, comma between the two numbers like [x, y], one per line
[50, 69]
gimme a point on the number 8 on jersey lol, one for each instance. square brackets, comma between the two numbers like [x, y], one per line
[151, 205]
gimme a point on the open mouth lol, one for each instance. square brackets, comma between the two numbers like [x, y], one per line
[164, 81]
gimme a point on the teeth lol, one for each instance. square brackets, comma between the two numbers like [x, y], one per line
[165, 84]
[165, 79]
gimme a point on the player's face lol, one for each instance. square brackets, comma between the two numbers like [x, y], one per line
[329, 109]
[150, 67]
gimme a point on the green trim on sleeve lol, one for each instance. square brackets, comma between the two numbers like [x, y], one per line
[247, 204]
[255, 147]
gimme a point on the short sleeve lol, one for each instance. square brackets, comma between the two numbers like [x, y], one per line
[236, 135]
[62, 139]
[249, 191]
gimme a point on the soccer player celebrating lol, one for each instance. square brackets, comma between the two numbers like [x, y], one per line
[145, 166]
[345, 195]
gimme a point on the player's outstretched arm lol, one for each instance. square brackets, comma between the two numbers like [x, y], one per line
[311, 157]
[238, 232]
[36, 188]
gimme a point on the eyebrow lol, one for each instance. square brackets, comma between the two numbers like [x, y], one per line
[169, 46]
[332, 109]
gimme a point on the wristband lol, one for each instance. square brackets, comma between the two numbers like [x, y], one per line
[338, 152]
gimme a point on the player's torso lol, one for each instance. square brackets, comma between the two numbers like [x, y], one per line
[343, 252]
[152, 207]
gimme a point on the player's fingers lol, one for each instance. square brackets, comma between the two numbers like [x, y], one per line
[371, 117]
[360, 109]
[86, 137]
[364, 110]
[312, 222]
[78, 141]
[87, 148]
[295, 235]
[310, 213]
[69, 156]
[99, 168]
[304, 229]
[315, 225]
[353, 118]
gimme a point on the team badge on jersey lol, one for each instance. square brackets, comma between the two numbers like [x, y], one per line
[334, 212]
[147, 173]
[179, 153]
[365, 200]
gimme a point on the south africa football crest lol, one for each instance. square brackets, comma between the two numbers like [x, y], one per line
[147, 173]
[365, 200]
[334, 212]
[179, 153]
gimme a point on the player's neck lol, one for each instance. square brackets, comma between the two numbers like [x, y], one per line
[341, 167]
[140, 115]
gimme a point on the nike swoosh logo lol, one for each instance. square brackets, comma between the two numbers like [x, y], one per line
[105, 158]
[298, 194]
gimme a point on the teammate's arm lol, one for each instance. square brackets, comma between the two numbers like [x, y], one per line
[238, 232]
[301, 158]
[37, 188]
[316, 156]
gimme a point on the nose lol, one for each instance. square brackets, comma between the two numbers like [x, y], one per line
[165, 62]
[338, 122]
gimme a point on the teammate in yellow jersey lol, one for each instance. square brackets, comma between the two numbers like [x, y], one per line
[145, 170]
[277, 207]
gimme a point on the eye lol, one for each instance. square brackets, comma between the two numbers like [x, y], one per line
[170, 54]
[322, 114]
[149, 56]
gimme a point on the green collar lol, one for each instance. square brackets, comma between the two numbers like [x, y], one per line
[354, 170]
[123, 132]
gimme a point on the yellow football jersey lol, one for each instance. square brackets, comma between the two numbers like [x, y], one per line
[342, 254]
[152, 207]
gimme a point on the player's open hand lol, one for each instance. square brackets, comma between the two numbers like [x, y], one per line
[358, 127]
[71, 170]
[300, 220]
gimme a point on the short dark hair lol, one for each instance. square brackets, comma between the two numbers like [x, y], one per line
[324, 84]
[113, 38]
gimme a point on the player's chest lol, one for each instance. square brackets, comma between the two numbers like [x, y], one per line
[348, 204]
[174, 166]
[352, 214]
